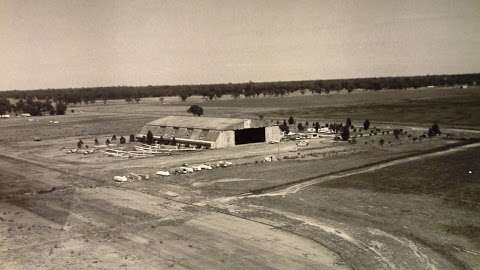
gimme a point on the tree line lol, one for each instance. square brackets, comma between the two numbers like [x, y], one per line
[32, 106]
[249, 89]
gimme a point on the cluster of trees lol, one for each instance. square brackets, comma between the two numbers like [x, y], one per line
[32, 106]
[250, 89]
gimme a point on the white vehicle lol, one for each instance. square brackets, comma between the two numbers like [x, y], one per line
[184, 170]
[196, 167]
[163, 173]
[120, 178]
[302, 143]
[205, 167]
[224, 163]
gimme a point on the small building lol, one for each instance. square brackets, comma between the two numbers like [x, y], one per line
[210, 132]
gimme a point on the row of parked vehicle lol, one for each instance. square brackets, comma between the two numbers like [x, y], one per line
[186, 168]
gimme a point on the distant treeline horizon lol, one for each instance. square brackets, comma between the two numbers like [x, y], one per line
[247, 89]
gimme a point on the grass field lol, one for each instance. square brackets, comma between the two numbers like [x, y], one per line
[454, 177]
[449, 106]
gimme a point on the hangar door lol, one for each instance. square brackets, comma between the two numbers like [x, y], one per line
[249, 135]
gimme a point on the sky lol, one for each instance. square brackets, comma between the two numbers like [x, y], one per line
[82, 43]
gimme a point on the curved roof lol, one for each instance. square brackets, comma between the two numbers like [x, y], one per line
[201, 122]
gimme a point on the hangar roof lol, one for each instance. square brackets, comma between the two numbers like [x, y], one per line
[196, 122]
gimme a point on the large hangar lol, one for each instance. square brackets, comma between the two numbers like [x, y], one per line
[210, 132]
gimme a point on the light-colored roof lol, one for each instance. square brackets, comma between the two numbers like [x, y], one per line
[212, 123]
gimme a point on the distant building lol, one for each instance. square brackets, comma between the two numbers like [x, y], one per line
[210, 132]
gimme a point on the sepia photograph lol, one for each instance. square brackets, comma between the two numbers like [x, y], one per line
[254, 134]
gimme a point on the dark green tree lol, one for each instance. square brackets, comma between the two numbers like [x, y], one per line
[60, 108]
[291, 121]
[300, 127]
[345, 133]
[149, 137]
[195, 110]
[366, 124]
[348, 123]
[5, 106]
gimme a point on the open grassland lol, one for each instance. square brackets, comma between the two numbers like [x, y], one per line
[454, 177]
[449, 106]
[347, 99]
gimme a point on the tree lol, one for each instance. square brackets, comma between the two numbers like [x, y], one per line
[300, 127]
[366, 124]
[107, 142]
[291, 121]
[96, 141]
[114, 137]
[348, 123]
[195, 110]
[345, 133]
[184, 95]
[381, 142]
[122, 140]
[434, 130]
[60, 108]
[396, 133]
[79, 144]
[5, 106]
[284, 127]
[317, 126]
[132, 138]
[149, 137]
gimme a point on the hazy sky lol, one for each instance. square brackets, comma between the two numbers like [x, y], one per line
[52, 44]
